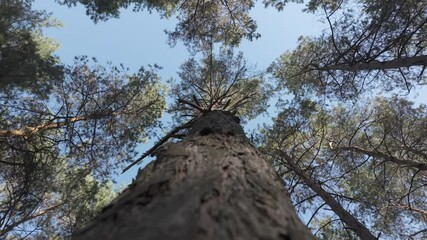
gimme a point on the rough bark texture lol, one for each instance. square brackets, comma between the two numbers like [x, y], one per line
[211, 185]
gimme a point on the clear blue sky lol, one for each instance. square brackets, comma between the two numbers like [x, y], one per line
[138, 39]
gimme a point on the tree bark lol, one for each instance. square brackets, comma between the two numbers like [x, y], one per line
[211, 185]
[376, 65]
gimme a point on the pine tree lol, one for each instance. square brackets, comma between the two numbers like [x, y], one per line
[211, 185]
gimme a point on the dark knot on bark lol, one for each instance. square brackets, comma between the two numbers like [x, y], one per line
[220, 122]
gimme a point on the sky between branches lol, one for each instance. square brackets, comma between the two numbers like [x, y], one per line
[138, 39]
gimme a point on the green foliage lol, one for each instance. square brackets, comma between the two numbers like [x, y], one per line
[100, 10]
[332, 230]
[291, 69]
[371, 158]
[84, 200]
[221, 82]
[115, 109]
[370, 45]
[279, 4]
[69, 202]
[26, 59]
[58, 152]
[65, 129]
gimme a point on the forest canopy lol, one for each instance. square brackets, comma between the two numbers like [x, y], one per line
[345, 136]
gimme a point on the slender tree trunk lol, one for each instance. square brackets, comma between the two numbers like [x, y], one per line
[343, 214]
[211, 185]
[54, 124]
[406, 163]
[376, 65]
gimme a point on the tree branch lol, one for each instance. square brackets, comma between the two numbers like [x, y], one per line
[386, 157]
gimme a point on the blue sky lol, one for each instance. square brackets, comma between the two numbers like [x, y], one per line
[138, 39]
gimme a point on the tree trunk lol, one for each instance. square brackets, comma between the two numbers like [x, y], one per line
[338, 209]
[389, 158]
[376, 65]
[211, 185]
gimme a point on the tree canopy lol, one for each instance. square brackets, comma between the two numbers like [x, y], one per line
[88, 127]
[354, 164]
[26, 59]
[368, 159]
[63, 129]
[369, 44]
[220, 82]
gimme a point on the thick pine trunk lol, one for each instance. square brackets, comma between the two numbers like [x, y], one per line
[211, 185]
